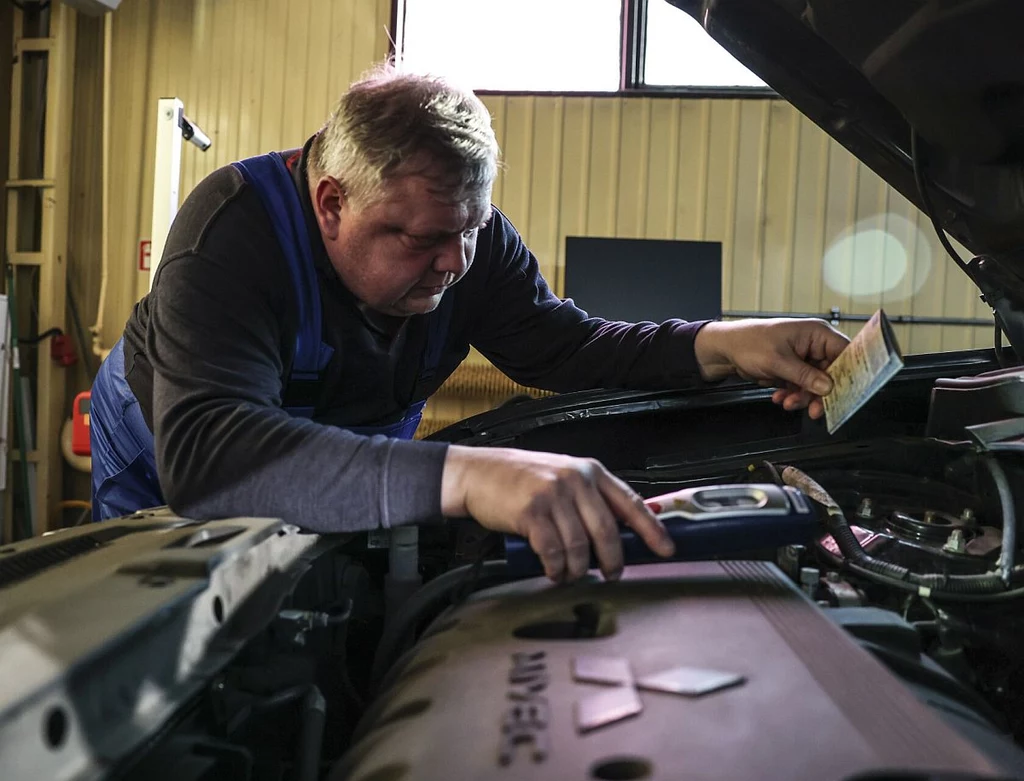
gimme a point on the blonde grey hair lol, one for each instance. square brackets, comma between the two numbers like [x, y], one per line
[392, 123]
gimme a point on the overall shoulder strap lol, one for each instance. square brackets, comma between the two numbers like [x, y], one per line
[269, 176]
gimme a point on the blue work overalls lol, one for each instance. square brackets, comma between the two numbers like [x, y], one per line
[124, 474]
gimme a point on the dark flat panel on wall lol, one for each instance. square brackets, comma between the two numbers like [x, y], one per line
[644, 279]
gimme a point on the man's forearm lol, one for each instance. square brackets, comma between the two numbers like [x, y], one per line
[603, 354]
[319, 478]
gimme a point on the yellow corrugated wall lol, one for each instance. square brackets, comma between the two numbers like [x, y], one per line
[752, 174]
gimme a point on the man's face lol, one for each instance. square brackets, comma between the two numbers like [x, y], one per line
[399, 254]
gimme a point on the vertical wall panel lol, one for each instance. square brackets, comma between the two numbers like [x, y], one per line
[719, 209]
[634, 157]
[742, 282]
[809, 219]
[574, 175]
[84, 219]
[603, 194]
[780, 192]
[902, 224]
[869, 243]
[693, 151]
[542, 200]
[519, 190]
[496, 105]
[662, 170]
[271, 114]
[296, 73]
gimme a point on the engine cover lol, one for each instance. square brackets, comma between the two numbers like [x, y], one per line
[699, 670]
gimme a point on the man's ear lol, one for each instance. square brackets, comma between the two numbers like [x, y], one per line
[328, 197]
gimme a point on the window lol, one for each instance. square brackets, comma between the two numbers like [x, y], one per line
[528, 45]
[566, 46]
[678, 53]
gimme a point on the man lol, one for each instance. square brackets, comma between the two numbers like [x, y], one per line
[308, 303]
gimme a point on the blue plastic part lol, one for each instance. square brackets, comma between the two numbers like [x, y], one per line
[709, 536]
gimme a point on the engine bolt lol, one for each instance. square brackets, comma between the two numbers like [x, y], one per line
[929, 516]
[956, 542]
[809, 577]
[866, 509]
[967, 516]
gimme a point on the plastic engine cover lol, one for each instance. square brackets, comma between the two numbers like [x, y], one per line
[698, 670]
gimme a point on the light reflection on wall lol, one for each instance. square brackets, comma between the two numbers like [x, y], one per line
[884, 255]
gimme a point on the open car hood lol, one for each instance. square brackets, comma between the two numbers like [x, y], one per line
[873, 73]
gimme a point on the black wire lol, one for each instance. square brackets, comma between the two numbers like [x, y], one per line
[428, 601]
[998, 345]
[83, 345]
[929, 209]
[468, 585]
[926, 200]
[27, 340]
[776, 477]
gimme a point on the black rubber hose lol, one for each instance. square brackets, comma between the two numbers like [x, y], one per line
[944, 596]
[311, 732]
[311, 737]
[1009, 544]
[431, 597]
[936, 585]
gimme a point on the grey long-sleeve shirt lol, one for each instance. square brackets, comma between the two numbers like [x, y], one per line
[208, 352]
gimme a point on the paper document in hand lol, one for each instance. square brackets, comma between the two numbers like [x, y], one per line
[869, 361]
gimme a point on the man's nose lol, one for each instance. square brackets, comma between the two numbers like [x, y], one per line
[453, 257]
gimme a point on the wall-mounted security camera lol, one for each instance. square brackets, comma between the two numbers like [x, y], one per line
[192, 133]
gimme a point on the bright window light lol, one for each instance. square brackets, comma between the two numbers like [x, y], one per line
[681, 54]
[516, 45]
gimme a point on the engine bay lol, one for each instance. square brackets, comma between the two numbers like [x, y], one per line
[888, 644]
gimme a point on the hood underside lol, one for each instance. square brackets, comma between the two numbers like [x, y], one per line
[873, 73]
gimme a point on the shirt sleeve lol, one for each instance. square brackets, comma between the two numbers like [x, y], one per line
[542, 341]
[224, 446]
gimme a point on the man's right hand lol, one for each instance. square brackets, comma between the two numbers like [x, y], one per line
[560, 504]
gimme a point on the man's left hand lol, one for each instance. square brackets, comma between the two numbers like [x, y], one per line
[787, 353]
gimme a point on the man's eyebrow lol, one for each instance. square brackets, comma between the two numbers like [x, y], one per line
[398, 225]
[442, 233]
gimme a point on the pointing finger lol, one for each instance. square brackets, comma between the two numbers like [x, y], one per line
[630, 508]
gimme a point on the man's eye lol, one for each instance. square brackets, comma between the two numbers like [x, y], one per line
[421, 242]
